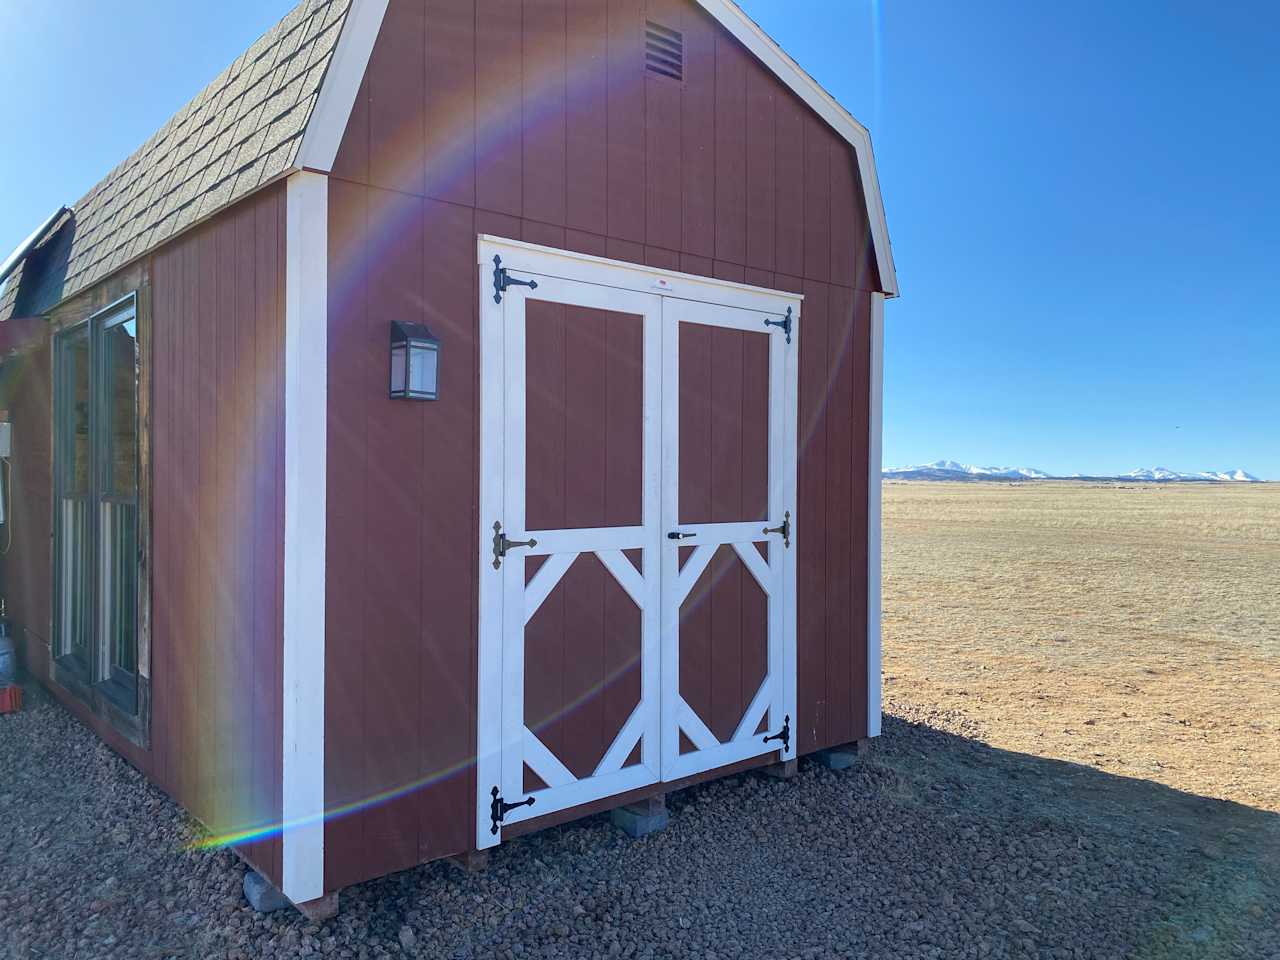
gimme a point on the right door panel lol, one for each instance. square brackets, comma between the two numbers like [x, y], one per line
[728, 554]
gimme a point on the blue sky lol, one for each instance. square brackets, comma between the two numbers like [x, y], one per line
[1083, 200]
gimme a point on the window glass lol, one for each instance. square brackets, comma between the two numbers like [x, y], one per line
[120, 409]
[77, 414]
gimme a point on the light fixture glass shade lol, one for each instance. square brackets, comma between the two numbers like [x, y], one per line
[398, 351]
[424, 364]
[415, 362]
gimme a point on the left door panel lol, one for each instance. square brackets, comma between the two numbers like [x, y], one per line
[575, 550]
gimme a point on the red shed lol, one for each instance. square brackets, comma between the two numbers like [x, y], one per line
[463, 416]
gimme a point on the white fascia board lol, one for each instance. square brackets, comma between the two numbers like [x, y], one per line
[305, 504]
[748, 32]
[341, 83]
[875, 486]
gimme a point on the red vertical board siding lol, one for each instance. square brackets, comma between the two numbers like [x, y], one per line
[545, 416]
[499, 97]
[584, 431]
[664, 97]
[663, 180]
[565, 140]
[586, 444]
[789, 174]
[450, 159]
[217, 316]
[698, 131]
[755, 432]
[762, 97]
[396, 102]
[850, 236]
[546, 234]
[839, 437]
[731, 150]
[623, 404]
[662, 259]
[352, 160]
[345, 533]
[586, 115]
[448, 537]
[625, 171]
[391, 594]
[818, 140]
[543, 121]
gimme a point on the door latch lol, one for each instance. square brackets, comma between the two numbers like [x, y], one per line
[784, 735]
[502, 280]
[784, 529]
[677, 535]
[499, 808]
[784, 323]
[501, 544]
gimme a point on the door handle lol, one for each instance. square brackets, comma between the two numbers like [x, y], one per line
[677, 535]
[501, 545]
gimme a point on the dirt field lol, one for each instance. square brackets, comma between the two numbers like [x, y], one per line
[1075, 673]
[1135, 629]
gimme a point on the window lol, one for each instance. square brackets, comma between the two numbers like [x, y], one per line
[96, 509]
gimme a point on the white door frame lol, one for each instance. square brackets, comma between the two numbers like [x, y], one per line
[496, 586]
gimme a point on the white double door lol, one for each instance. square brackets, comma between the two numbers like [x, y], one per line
[627, 638]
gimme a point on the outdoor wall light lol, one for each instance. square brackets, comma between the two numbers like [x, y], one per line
[415, 362]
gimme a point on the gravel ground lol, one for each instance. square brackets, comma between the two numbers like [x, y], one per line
[935, 845]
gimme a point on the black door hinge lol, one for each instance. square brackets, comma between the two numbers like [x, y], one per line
[784, 528]
[784, 735]
[499, 808]
[502, 280]
[501, 544]
[784, 323]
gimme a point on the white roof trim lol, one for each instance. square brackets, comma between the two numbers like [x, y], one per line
[341, 84]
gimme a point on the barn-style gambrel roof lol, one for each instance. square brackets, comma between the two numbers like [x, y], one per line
[284, 106]
[238, 134]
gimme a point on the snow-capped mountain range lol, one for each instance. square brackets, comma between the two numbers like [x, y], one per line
[964, 470]
[1215, 476]
[951, 470]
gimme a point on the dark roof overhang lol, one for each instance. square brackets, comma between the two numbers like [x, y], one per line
[29, 244]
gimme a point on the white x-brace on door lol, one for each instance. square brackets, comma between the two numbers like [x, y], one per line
[725, 535]
[580, 605]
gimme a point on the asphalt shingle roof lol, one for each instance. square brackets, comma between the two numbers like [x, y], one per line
[240, 132]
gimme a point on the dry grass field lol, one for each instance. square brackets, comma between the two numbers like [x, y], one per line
[1135, 629]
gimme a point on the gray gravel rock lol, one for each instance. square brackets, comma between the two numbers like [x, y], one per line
[933, 846]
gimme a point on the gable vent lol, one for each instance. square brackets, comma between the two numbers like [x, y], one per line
[664, 50]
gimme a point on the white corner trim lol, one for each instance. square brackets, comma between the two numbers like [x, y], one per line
[875, 485]
[341, 83]
[748, 32]
[305, 476]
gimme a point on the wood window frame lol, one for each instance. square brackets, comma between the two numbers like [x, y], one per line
[120, 697]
